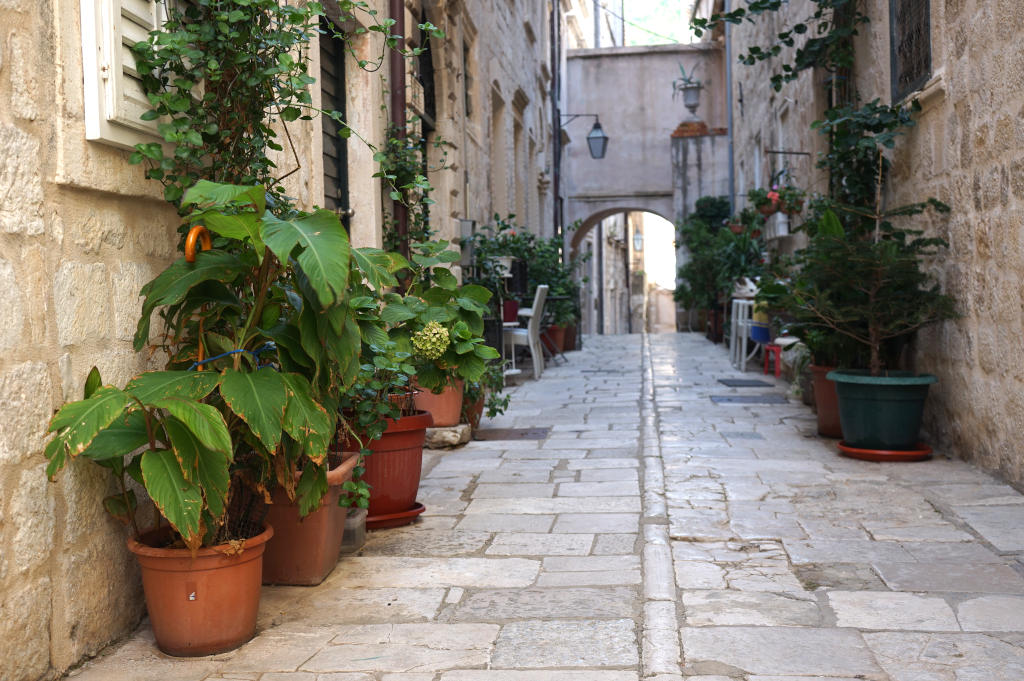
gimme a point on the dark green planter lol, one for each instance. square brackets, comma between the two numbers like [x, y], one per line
[881, 412]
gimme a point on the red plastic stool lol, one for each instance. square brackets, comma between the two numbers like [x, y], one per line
[772, 350]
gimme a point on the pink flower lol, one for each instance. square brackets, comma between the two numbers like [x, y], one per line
[773, 197]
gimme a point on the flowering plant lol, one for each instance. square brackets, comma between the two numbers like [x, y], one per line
[762, 198]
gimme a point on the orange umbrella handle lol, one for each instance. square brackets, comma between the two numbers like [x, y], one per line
[203, 235]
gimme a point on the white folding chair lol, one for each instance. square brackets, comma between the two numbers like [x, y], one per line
[530, 336]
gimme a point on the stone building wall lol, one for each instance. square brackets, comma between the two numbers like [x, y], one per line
[967, 150]
[81, 231]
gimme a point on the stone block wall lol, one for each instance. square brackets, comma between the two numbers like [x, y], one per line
[81, 231]
[967, 149]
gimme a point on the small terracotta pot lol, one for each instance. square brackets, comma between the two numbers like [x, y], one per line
[202, 604]
[303, 551]
[767, 209]
[446, 407]
[472, 412]
[736, 227]
[393, 469]
[826, 401]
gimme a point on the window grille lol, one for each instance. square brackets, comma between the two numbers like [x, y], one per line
[910, 46]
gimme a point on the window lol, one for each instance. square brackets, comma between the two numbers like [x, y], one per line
[910, 46]
[114, 99]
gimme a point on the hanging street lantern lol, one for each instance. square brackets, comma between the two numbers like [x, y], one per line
[597, 141]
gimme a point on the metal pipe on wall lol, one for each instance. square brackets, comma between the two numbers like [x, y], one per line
[728, 91]
[396, 64]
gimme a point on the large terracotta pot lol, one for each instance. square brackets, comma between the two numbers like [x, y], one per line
[826, 402]
[202, 604]
[570, 337]
[394, 466]
[554, 338]
[303, 551]
[446, 407]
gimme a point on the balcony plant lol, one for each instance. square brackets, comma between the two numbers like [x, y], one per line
[766, 201]
[236, 411]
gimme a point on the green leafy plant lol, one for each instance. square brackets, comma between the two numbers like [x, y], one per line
[261, 338]
[717, 257]
[434, 298]
[489, 389]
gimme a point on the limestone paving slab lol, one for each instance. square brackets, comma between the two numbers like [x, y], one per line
[951, 577]
[593, 643]
[946, 657]
[1003, 526]
[606, 523]
[381, 571]
[535, 544]
[794, 651]
[506, 522]
[505, 605]
[729, 608]
[886, 610]
[992, 613]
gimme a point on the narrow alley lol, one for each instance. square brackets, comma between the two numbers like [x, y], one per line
[665, 526]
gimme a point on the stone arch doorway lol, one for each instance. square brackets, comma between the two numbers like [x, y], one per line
[629, 270]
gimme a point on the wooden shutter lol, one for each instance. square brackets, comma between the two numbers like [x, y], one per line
[332, 92]
[114, 100]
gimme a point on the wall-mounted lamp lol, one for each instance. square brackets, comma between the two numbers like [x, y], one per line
[638, 240]
[597, 140]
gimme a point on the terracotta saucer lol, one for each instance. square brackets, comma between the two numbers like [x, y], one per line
[380, 522]
[920, 452]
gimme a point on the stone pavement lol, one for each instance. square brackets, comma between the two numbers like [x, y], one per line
[655, 534]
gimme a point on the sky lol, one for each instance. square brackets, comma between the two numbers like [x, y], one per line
[665, 21]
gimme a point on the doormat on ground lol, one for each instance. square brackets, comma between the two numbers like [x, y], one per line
[744, 383]
[749, 399]
[511, 433]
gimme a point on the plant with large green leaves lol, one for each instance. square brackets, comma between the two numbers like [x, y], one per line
[263, 332]
[437, 320]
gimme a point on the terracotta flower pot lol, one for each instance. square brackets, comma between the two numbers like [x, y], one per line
[792, 208]
[394, 466]
[472, 412]
[445, 408]
[570, 338]
[736, 227]
[767, 209]
[509, 310]
[826, 402]
[204, 604]
[303, 551]
[554, 338]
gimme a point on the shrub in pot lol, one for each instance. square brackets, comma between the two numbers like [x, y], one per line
[877, 296]
[485, 395]
[230, 417]
[440, 323]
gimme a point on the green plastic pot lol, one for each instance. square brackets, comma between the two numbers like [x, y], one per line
[881, 412]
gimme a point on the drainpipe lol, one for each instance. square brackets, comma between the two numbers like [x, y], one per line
[396, 8]
[728, 85]
[600, 277]
[556, 118]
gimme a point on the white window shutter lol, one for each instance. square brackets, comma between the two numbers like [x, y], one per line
[114, 100]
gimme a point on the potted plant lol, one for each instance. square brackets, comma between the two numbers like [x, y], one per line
[229, 417]
[485, 394]
[791, 198]
[889, 298]
[440, 323]
[383, 423]
[766, 201]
